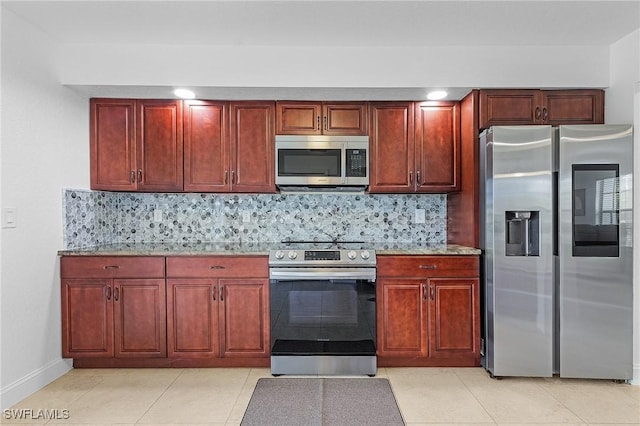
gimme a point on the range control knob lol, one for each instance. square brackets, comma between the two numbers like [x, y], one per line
[351, 254]
[292, 255]
[279, 254]
[365, 254]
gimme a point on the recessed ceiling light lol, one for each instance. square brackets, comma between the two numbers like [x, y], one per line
[436, 95]
[184, 93]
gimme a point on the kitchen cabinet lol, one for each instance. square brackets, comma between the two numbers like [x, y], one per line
[113, 307]
[136, 145]
[415, 147]
[217, 307]
[503, 107]
[428, 311]
[321, 118]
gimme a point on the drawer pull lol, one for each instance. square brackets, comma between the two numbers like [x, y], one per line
[216, 267]
[428, 267]
[111, 267]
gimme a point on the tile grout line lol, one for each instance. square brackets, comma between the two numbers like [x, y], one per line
[495, 422]
[235, 402]
[159, 396]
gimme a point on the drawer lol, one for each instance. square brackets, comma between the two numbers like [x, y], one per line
[218, 266]
[112, 267]
[428, 266]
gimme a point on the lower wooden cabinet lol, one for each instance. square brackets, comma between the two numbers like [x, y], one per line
[428, 311]
[113, 307]
[222, 311]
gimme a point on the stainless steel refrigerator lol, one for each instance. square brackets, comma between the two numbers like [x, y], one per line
[556, 216]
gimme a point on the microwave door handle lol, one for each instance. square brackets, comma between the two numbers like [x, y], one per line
[343, 176]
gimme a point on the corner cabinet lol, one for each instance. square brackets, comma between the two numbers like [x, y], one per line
[421, 141]
[321, 118]
[428, 311]
[504, 107]
[217, 306]
[113, 307]
[136, 145]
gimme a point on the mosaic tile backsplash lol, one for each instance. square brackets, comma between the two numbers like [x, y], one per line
[93, 218]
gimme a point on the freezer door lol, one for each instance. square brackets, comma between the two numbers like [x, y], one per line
[595, 248]
[518, 238]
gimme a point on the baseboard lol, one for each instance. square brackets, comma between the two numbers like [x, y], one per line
[636, 375]
[32, 382]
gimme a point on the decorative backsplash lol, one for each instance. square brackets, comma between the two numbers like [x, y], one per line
[93, 218]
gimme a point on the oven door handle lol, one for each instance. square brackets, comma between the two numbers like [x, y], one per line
[322, 274]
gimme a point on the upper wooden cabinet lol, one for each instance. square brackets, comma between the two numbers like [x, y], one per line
[415, 147]
[503, 107]
[136, 145]
[321, 118]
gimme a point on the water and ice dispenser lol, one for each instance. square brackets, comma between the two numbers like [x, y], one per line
[522, 233]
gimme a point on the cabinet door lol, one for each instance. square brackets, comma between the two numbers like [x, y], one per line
[438, 147]
[192, 318]
[573, 107]
[298, 118]
[87, 318]
[113, 147]
[392, 147]
[252, 146]
[244, 316]
[402, 317]
[509, 107]
[140, 318]
[159, 145]
[454, 317]
[206, 147]
[344, 118]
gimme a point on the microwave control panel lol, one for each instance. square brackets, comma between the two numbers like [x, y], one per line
[356, 162]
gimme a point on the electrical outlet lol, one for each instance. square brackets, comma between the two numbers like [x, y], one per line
[419, 216]
[246, 216]
[157, 215]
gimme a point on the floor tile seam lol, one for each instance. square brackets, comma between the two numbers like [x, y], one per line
[548, 392]
[175, 379]
[237, 398]
[495, 422]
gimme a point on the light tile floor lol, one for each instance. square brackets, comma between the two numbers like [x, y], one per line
[433, 396]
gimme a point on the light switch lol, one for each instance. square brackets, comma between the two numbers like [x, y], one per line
[9, 217]
[419, 216]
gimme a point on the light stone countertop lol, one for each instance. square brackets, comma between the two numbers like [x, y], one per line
[255, 249]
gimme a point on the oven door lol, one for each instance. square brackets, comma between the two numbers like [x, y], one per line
[323, 317]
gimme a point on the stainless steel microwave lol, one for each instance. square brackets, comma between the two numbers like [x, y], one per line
[322, 161]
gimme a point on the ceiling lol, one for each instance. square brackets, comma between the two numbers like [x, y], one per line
[333, 23]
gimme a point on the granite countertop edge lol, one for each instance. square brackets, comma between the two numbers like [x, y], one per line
[252, 249]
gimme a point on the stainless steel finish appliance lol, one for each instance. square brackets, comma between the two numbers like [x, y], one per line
[557, 239]
[322, 161]
[323, 312]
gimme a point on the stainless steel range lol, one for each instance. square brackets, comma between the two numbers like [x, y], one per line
[323, 308]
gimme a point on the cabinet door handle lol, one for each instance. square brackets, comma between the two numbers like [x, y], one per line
[116, 294]
[418, 182]
[545, 114]
[433, 292]
[224, 179]
[325, 122]
[216, 267]
[107, 292]
[538, 113]
[411, 177]
[233, 177]
[428, 267]
[139, 175]
[222, 293]
[318, 123]
[425, 296]
[111, 267]
[213, 293]
[132, 177]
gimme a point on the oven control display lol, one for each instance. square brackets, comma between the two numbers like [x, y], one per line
[322, 255]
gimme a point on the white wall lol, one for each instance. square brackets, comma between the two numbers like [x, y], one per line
[623, 106]
[44, 148]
